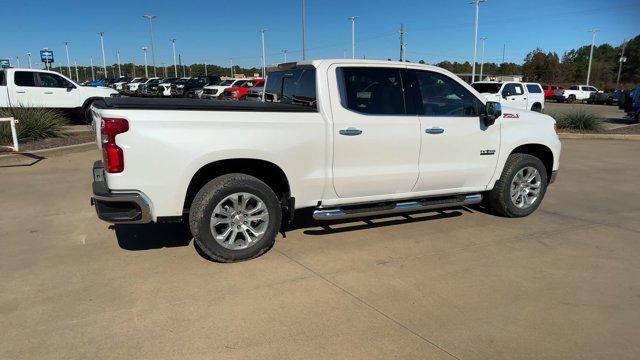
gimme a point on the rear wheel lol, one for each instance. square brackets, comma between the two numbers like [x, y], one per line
[521, 187]
[536, 107]
[235, 217]
[571, 98]
[86, 113]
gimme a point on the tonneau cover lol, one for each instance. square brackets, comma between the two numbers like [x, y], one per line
[197, 104]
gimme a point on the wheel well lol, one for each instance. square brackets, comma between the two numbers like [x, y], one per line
[270, 173]
[536, 104]
[89, 101]
[541, 152]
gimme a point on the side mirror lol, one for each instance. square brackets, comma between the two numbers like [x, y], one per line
[493, 110]
[505, 94]
[70, 86]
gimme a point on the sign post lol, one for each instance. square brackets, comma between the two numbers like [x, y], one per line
[46, 56]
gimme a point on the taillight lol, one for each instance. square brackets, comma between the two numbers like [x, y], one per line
[111, 153]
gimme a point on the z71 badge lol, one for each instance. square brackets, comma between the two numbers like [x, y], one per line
[487, 152]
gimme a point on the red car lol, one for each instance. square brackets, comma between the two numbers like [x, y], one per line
[549, 89]
[241, 88]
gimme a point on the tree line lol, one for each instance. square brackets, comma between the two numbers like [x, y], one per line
[570, 68]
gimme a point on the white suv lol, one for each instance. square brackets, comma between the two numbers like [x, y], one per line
[527, 96]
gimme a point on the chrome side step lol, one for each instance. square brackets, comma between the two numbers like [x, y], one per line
[349, 212]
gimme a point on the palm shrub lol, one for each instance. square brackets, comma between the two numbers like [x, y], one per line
[34, 123]
[579, 120]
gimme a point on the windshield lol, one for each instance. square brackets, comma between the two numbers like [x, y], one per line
[491, 88]
[241, 83]
[226, 82]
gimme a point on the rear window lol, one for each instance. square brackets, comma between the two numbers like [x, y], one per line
[296, 86]
[491, 88]
[24, 78]
[534, 89]
[3, 80]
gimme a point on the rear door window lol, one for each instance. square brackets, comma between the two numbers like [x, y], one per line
[296, 86]
[534, 89]
[3, 79]
[24, 78]
[375, 91]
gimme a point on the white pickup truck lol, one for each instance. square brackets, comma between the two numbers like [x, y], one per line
[526, 96]
[574, 93]
[349, 138]
[42, 88]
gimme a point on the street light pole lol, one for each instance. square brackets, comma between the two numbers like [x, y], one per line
[231, 66]
[284, 52]
[29, 56]
[164, 69]
[119, 69]
[133, 63]
[353, 36]
[93, 75]
[175, 62]
[304, 34]
[104, 59]
[622, 60]
[153, 53]
[146, 70]
[66, 48]
[475, 38]
[482, 57]
[264, 56]
[593, 40]
[75, 63]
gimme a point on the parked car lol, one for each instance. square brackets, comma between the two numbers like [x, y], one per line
[214, 91]
[631, 103]
[608, 97]
[549, 90]
[188, 87]
[528, 96]
[255, 93]
[200, 82]
[131, 88]
[147, 88]
[239, 90]
[164, 88]
[120, 84]
[97, 83]
[240, 169]
[574, 93]
[49, 89]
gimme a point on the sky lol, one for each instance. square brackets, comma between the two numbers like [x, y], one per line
[215, 31]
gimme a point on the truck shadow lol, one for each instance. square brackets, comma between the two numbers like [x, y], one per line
[152, 236]
[135, 237]
[304, 220]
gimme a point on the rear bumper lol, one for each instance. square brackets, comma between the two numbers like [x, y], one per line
[117, 208]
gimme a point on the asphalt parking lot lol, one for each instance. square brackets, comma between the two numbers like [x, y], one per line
[563, 283]
[612, 117]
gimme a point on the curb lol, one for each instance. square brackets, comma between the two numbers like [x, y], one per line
[632, 137]
[61, 150]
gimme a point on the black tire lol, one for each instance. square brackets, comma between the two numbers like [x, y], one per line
[215, 191]
[86, 113]
[571, 98]
[536, 107]
[499, 198]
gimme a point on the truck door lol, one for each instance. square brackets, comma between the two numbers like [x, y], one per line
[458, 153]
[376, 140]
[4, 91]
[514, 96]
[22, 89]
[56, 91]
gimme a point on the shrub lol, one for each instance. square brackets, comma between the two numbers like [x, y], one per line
[34, 124]
[579, 120]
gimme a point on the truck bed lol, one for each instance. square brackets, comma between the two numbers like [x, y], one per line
[197, 104]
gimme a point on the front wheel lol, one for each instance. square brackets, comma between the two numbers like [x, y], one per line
[235, 217]
[521, 187]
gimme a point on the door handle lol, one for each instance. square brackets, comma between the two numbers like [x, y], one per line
[48, 92]
[350, 131]
[434, 130]
[20, 91]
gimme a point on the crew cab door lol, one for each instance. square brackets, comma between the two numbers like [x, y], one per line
[376, 142]
[514, 96]
[23, 90]
[458, 153]
[56, 91]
